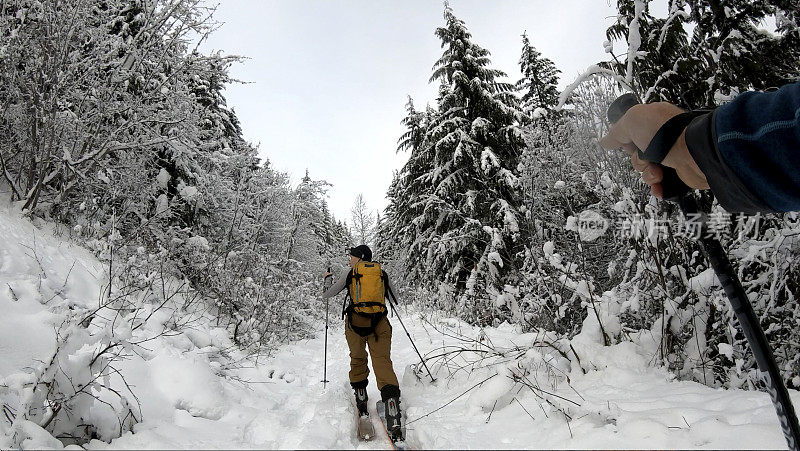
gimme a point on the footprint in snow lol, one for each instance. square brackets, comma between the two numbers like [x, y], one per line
[281, 375]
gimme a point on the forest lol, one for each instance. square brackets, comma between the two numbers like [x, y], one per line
[115, 133]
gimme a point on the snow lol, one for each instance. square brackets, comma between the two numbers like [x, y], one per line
[102, 177]
[704, 282]
[163, 178]
[36, 437]
[549, 248]
[198, 242]
[495, 257]
[489, 160]
[189, 385]
[488, 395]
[572, 224]
[504, 388]
[162, 205]
[37, 270]
[726, 350]
[586, 75]
[634, 40]
[188, 192]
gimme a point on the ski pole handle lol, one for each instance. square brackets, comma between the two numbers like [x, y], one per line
[674, 188]
[328, 279]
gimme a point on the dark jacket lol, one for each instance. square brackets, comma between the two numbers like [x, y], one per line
[749, 151]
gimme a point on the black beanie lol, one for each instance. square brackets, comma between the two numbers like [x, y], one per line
[363, 252]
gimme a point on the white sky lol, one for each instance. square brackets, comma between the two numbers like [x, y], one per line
[328, 80]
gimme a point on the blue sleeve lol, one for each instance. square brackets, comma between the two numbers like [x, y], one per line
[758, 137]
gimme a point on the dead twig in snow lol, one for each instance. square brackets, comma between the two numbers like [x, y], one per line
[453, 400]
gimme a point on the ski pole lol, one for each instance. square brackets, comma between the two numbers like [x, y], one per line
[391, 304]
[677, 191]
[325, 286]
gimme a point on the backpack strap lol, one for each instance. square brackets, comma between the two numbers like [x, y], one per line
[374, 319]
[349, 302]
[347, 305]
[353, 275]
[388, 288]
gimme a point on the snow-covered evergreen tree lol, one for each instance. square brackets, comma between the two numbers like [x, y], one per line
[406, 192]
[728, 52]
[539, 82]
[461, 180]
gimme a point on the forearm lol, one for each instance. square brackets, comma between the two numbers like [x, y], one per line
[337, 286]
[749, 151]
[728, 187]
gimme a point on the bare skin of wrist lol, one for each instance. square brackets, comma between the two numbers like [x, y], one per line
[636, 129]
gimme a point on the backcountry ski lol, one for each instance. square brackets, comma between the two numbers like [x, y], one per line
[398, 441]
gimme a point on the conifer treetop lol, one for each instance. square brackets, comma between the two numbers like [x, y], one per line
[462, 58]
[539, 82]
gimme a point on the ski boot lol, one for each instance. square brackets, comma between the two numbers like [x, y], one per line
[393, 417]
[391, 399]
[360, 389]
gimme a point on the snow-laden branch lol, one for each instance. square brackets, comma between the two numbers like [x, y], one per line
[590, 72]
[674, 13]
[634, 39]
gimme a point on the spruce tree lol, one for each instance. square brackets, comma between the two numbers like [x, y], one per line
[539, 83]
[737, 53]
[662, 65]
[388, 245]
[408, 190]
[728, 52]
[468, 225]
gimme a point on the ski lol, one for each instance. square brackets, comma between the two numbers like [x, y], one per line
[364, 427]
[400, 444]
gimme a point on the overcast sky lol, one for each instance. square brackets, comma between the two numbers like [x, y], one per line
[328, 80]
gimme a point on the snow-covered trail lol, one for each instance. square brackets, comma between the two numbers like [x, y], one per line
[623, 404]
[282, 405]
[197, 390]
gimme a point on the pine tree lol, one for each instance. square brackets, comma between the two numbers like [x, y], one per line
[406, 193]
[737, 54]
[727, 52]
[539, 83]
[661, 66]
[468, 215]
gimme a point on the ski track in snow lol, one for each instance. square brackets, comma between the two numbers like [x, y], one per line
[189, 401]
[284, 406]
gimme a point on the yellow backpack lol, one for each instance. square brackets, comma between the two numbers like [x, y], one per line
[367, 289]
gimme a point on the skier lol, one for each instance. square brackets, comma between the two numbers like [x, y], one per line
[367, 325]
[746, 151]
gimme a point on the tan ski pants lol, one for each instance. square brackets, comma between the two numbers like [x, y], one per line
[380, 349]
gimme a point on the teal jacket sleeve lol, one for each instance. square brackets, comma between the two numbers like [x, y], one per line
[749, 151]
